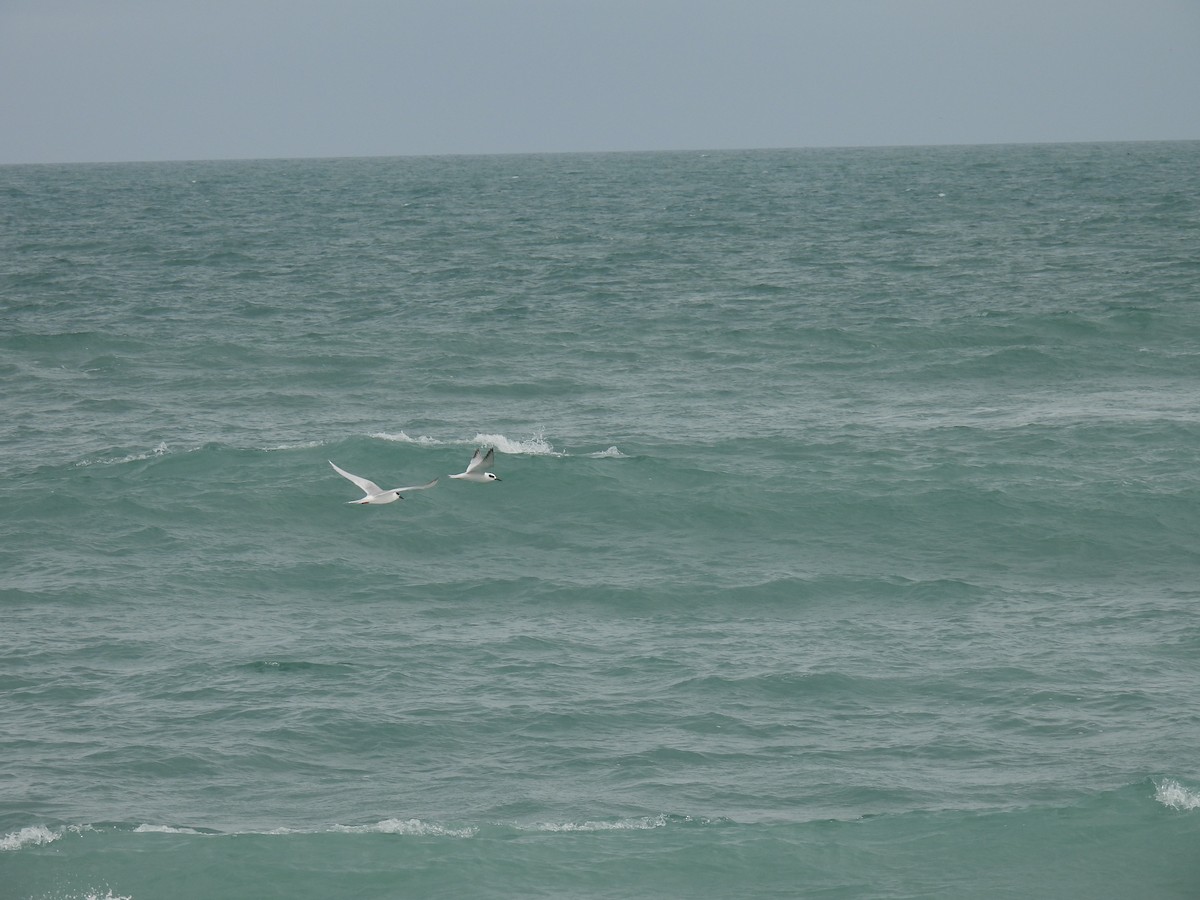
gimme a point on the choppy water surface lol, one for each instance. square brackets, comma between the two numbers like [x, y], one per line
[846, 543]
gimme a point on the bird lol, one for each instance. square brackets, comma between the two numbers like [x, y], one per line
[476, 469]
[374, 493]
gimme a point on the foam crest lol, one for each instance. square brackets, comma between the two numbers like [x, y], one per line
[409, 827]
[401, 438]
[33, 836]
[642, 823]
[38, 835]
[160, 450]
[406, 827]
[535, 445]
[300, 445]
[1175, 795]
[164, 829]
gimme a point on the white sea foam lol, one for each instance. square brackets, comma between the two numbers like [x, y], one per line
[1173, 794]
[39, 834]
[164, 829]
[637, 824]
[160, 450]
[29, 837]
[300, 445]
[535, 445]
[402, 438]
[406, 827]
[409, 827]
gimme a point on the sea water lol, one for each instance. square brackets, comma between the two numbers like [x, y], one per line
[846, 543]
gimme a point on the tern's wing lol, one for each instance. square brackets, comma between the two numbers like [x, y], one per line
[419, 487]
[480, 461]
[368, 487]
[476, 461]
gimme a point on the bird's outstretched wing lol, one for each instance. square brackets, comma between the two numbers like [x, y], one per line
[367, 486]
[419, 487]
[480, 460]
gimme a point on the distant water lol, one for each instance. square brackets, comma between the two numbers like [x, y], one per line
[847, 543]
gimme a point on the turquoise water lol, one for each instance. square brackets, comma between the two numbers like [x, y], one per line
[846, 543]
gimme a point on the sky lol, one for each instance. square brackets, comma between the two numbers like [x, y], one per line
[125, 80]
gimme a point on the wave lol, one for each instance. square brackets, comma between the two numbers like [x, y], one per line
[167, 829]
[641, 823]
[298, 445]
[39, 835]
[535, 445]
[1174, 795]
[137, 456]
[401, 438]
[34, 836]
[164, 449]
[406, 827]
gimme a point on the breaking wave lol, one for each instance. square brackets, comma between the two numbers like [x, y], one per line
[1173, 794]
[33, 836]
[535, 445]
[38, 835]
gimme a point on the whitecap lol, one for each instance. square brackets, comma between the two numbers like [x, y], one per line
[160, 450]
[637, 824]
[537, 445]
[408, 827]
[402, 438]
[32, 836]
[164, 829]
[301, 445]
[1175, 795]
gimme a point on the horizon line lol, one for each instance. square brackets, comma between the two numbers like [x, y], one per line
[515, 153]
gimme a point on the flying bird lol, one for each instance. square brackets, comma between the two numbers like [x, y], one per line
[477, 468]
[374, 493]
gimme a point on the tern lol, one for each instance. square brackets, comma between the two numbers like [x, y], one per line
[477, 468]
[376, 494]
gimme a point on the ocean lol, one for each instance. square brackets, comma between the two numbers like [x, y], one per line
[846, 542]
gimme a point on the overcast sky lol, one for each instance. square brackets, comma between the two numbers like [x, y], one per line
[105, 80]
